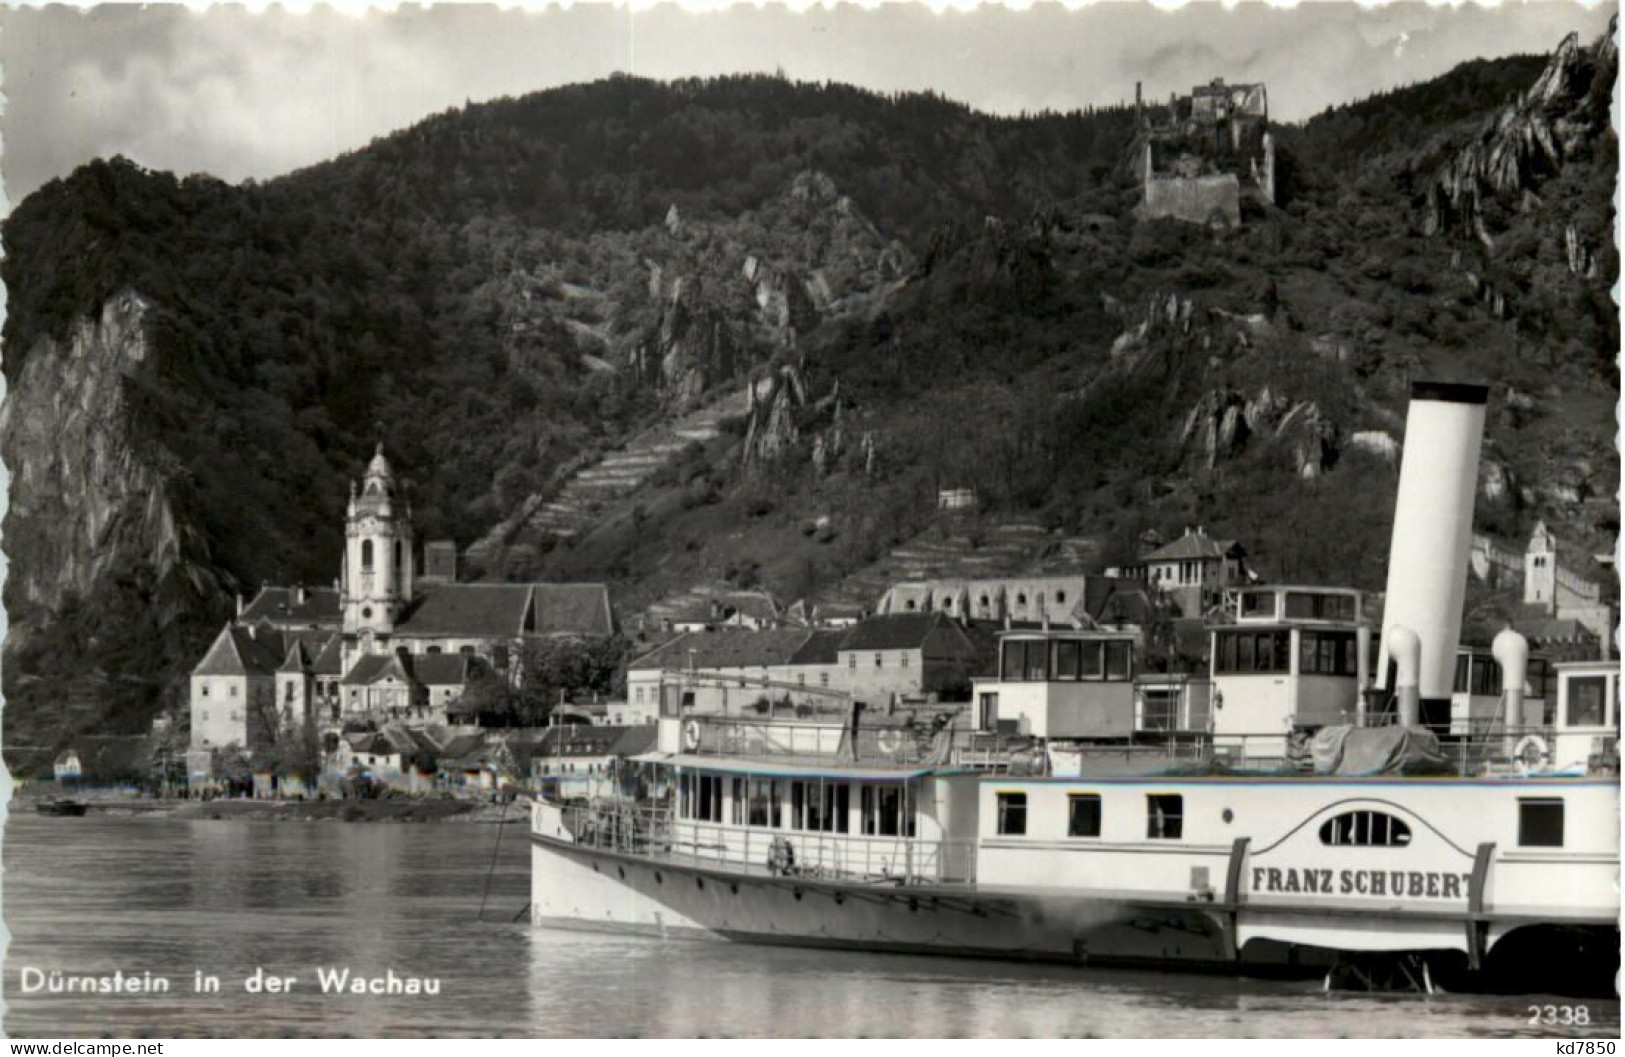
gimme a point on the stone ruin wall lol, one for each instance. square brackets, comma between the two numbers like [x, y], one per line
[1199, 199]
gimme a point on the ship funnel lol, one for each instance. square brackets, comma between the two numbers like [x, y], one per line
[1433, 524]
[1404, 648]
[1511, 652]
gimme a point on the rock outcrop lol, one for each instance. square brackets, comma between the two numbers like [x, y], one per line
[86, 499]
[691, 349]
[1226, 422]
[775, 402]
[1528, 141]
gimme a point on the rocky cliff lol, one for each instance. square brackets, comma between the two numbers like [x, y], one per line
[85, 497]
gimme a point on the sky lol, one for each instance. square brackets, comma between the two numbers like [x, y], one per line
[240, 94]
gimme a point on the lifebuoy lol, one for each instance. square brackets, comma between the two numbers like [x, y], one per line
[691, 735]
[888, 741]
[1530, 752]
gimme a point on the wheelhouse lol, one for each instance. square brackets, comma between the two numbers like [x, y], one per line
[1290, 659]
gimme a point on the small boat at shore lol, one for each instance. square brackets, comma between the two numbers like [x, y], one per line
[61, 807]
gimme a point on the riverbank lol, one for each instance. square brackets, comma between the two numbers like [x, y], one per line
[393, 809]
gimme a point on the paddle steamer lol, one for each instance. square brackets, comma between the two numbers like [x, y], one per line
[1313, 801]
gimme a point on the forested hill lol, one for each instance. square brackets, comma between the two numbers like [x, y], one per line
[507, 292]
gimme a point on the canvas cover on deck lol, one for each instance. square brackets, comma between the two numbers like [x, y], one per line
[1352, 751]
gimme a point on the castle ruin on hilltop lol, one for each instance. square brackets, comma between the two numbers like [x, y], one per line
[1205, 151]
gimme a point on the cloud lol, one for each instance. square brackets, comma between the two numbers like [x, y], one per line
[243, 95]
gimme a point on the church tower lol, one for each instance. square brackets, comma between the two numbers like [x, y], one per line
[1540, 569]
[378, 562]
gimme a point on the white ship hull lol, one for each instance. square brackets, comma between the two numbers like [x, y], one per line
[1105, 904]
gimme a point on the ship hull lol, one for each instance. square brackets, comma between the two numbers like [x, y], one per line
[587, 888]
[579, 887]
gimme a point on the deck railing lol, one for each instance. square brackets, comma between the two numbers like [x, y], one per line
[653, 832]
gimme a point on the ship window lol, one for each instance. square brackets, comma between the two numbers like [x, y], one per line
[1090, 661]
[764, 803]
[1588, 696]
[1326, 653]
[1540, 823]
[1164, 816]
[1026, 660]
[1117, 661]
[882, 810]
[1012, 814]
[1083, 815]
[1247, 652]
[736, 803]
[700, 797]
[1303, 606]
[820, 806]
[1068, 659]
[1365, 829]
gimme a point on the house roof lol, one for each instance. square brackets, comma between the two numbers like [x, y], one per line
[305, 649]
[822, 647]
[1552, 629]
[896, 631]
[330, 661]
[297, 660]
[510, 610]
[1197, 544]
[1114, 600]
[239, 650]
[575, 740]
[283, 605]
[635, 740]
[726, 648]
[374, 666]
[430, 669]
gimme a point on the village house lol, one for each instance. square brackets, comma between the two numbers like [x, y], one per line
[1193, 571]
[719, 669]
[584, 761]
[909, 655]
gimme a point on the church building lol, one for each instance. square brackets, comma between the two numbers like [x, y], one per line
[387, 645]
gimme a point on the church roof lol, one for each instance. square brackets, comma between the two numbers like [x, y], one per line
[572, 609]
[440, 669]
[283, 605]
[509, 611]
[469, 610]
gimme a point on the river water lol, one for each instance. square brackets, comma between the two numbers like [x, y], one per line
[98, 894]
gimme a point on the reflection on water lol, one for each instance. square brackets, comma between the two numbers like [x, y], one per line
[91, 895]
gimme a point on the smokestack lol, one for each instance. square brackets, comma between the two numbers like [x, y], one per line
[1405, 647]
[1433, 526]
[1511, 652]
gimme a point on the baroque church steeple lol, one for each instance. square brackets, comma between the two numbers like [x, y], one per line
[379, 567]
